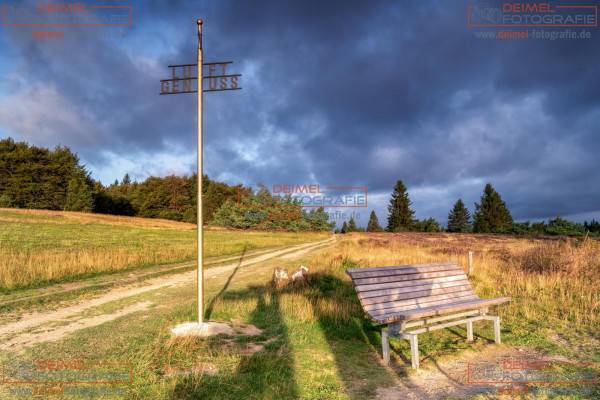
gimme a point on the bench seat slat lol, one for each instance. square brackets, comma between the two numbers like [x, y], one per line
[405, 309]
[421, 290]
[407, 302]
[392, 267]
[440, 310]
[407, 277]
[420, 282]
[421, 293]
[383, 308]
[403, 270]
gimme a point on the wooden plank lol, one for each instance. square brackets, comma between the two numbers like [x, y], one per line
[407, 277]
[389, 271]
[411, 283]
[392, 298]
[387, 267]
[440, 310]
[421, 295]
[385, 345]
[428, 321]
[419, 291]
[452, 298]
[424, 294]
[414, 351]
[470, 328]
[444, 325]
[401, 297]
[386, 308]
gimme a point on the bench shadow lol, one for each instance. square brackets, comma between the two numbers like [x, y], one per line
[358, 334]
[264, 374]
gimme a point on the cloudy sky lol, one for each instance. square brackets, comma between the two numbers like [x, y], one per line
[334, 92]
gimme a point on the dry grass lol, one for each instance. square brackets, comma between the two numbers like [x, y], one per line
[316, 342]
[555, 281]
[37, 247]
[66, 217]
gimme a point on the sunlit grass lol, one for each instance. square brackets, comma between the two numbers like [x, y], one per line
[43, 246]
[317, 343]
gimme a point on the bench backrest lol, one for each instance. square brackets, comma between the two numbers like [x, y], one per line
[385, 291]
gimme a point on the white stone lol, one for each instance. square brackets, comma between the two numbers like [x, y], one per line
[281, 274]
[205, 329]
[300, 274]
[280, 278]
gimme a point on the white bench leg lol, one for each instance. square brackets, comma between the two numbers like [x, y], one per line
[414, 351]
[497, 330]
[469, 331]
[385, 345]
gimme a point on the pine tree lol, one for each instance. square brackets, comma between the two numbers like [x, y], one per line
[459, 219]
[401, 216]
[126, 180]
[79, 195]
[344, 228]
[491, 214]
[373, 225]
[352, 225]
[427, 225]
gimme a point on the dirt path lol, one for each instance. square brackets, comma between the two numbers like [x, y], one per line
[18, 334]
[469, 374]
[125, 277]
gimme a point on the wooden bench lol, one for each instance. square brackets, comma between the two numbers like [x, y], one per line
[414, 299]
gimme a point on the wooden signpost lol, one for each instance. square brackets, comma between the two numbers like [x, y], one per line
[182, 81]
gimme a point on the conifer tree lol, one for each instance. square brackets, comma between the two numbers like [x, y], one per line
[459, 218]
[344, 228]
[491, 214]
[352, 225]
[79, 195]
[373, 225]
[401, 216]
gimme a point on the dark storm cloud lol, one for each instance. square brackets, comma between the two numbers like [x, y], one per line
[348, 92]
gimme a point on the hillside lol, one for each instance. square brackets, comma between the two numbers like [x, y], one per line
[38, 246]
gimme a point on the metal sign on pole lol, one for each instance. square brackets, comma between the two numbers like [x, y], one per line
[181, 81]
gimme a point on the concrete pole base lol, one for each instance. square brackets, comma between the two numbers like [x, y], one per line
[205, 329]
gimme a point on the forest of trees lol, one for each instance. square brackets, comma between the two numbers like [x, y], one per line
[36, 177]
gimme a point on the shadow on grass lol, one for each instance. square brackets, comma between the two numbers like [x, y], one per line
[266, 374]
[211, 305]
[354, 341]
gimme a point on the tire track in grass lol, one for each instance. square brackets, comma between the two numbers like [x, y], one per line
[133, 277]
[13, 335]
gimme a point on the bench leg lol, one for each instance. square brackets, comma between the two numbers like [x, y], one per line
[414, 351]
[469, 331]
[385, 345]
[497, 330]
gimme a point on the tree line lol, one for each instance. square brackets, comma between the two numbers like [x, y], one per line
[491, 215]
[40, 178]
[37, 177]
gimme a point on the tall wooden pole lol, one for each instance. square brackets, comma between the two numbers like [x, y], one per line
[200, 171]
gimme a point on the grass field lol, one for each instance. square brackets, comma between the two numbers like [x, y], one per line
[314, 342]
[38, 247]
